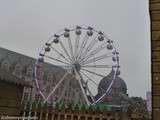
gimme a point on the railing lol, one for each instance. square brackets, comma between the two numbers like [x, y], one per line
[61, 115]
[43, 112]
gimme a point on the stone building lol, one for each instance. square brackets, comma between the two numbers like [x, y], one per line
[11, 93]
[23, 68]
[19, 69]
[119, 98]
[155, 49]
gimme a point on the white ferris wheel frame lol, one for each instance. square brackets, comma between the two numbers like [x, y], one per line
[83, 58]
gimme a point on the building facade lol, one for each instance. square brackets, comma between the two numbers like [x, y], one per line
[11, 93]
[155, 49]
[23, 68]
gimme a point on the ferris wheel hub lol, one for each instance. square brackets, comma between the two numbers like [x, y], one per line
[77, 66]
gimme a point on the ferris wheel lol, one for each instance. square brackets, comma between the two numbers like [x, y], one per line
[86, 54]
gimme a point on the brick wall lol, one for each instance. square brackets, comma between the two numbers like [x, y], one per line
[155, 47]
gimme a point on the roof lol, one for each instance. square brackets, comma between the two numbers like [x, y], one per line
[119, 83]
[118, 88]
[10, 78]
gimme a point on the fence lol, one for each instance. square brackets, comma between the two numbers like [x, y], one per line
[44, 112]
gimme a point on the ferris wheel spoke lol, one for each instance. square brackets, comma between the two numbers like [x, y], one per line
[92, 53]
[63, 92]
[93, 73]
[83, 45]
[64, 49]
[92, 80]
[60, 54]
[70, 47]
[76, 46]
[52, 92]
[65, 66]
[80, 80]
[91, 95]
[56, 59]
[98, 58]
[89, 47]
[98, 66]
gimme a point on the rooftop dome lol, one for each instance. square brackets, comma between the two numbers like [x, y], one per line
[119, 85]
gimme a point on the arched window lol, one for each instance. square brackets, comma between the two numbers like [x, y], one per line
[29, 72]
[18, 70]
[5, 66]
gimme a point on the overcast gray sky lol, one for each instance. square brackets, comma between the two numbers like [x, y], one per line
[26, 24]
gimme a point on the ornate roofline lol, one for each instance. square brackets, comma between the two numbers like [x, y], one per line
[7, 77]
